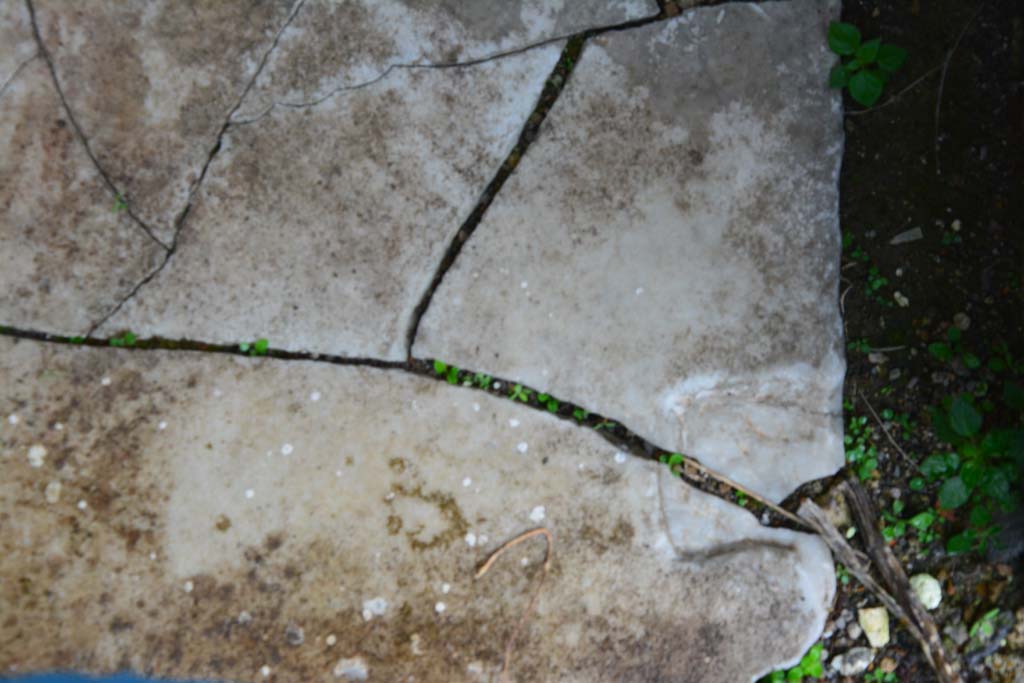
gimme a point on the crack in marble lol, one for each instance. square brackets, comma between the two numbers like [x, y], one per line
[14, 75]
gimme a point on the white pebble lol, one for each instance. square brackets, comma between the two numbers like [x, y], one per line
[467, 482]
[331, 640]
[901, 300]
[105, 381]
[36, 455]
[524, 284]
[956, 225]
[476, 407]
[315, 396]
[513, 422]
[470, 539]
[152, 556]
[12, 418]
[440, 607]
[374, 608]
[523, 447]
[217, 393]
[52, 492]
[537, 514]
[265, 670]
[59, 426]
[445, 588]
[525, 561]
[496, 385]
[162, 426]
[244, 617]
[620, 457]
[287, 449]
[337, 473]
[639, 291]
[927, 589]
[188, 586]
[249, 493]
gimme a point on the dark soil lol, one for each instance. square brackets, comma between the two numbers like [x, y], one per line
[959, 177]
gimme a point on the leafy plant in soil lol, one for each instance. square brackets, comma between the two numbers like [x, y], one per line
[869, 66]
[809, 667]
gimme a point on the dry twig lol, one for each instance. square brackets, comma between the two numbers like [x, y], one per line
[533, 600]
[886, 431]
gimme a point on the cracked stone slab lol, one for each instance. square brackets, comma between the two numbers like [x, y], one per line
[151, 85]
[321, 227]
[201, 516]
[333, 45]
[65, 256]
[667, 251]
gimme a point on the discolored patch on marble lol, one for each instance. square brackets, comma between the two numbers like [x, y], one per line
[667, 251]
[66, 256]
[152, 84]
[320, 228]
[203, 516]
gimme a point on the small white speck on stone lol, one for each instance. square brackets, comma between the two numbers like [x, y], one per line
[265, 671]
[82, 505]
[162, 425]
[524, 284]
[467, 482]
[249, 493]
[525, 561]
[152, 556]
[244, 617]
[12, 419]
[440, 607]
[476, 407]
[375, 607]
[52, 492]
[956, 225]
[390, 495]
[470, 539]
[36, 455]
[639, 291]
[188, 586]
[496, 385]
[901, 299]
[620, 457]
[351, 669]
[581, 466]
[337, 473]
[513, 422]
[446, 588]
[287, 449]
[59, 426]
[314, 396]
[537, 514]
[217, 393]
[331, 640]
[522, 447]
[105, 381]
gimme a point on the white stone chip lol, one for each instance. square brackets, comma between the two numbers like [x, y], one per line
[537, 514]
[52, 492]
[875, 622]
[36, 455]
[927, 589]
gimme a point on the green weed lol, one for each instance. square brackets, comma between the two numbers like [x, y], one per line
[256, 348]
[809, 667]
[870, 66]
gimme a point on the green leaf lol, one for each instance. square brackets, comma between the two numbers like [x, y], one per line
[971, 361]
[452, 375]
[675, 459]
[838, 77]
[891, 58]
[1013, 395]
[996, 484]
[916, 484]
[244, 347]
[843, 39]
[980, 517]
[961, 543]
[261, 346]
[795, 675]
[868, 51]
[963, 418]
[935, 466]
[971, 474]
[866, 87]
[440, 367]
[953, 334]
[922, 521]
[941, 351]
[953, 493]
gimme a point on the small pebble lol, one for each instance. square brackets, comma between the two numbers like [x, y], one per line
[82, 505]
[440, 607]
[522, 447]
[901, 300]
[265, 670]
[927, 589]
[331, 640]
[244, 617]
[467, 482]
[287, 449]
[956, 225]
[445, 588]
[52, 492]
[12, 419]
[537, 514]
[249, 493]
[962, 321]
[105, 381]
[36, 455]
[188, 586]
[875, 622]
[470, 539]
[315, 396]
[620, 457]
[162, 426]
[513, 422]
[854, 662]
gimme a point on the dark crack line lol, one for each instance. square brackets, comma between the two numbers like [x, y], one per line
[48, 58]
[179, 222]
[612, 431]
[17, 72]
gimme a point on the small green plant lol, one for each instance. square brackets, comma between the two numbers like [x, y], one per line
[671, 460]
[580, 415]
[809, 667]
[256, 348]
[520, 393]
[952, 348]
[76, 340]
[879, 676]
[119, 204]
[859, 345]
[870, 65]
[842, 574]
[481, 380]
[605, 424]
[551, 404]
[861, 451]
[741, 499]
[127, 339]
[449, 372]
[985, 627]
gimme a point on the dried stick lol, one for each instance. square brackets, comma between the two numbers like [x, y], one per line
[533, 600]
[893, 574]
[886, 431]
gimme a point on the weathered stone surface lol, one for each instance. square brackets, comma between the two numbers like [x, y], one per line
[667, 251]
[65, 257]
[151, 84]
[204, 516]
[321, 227]
[333, 45]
